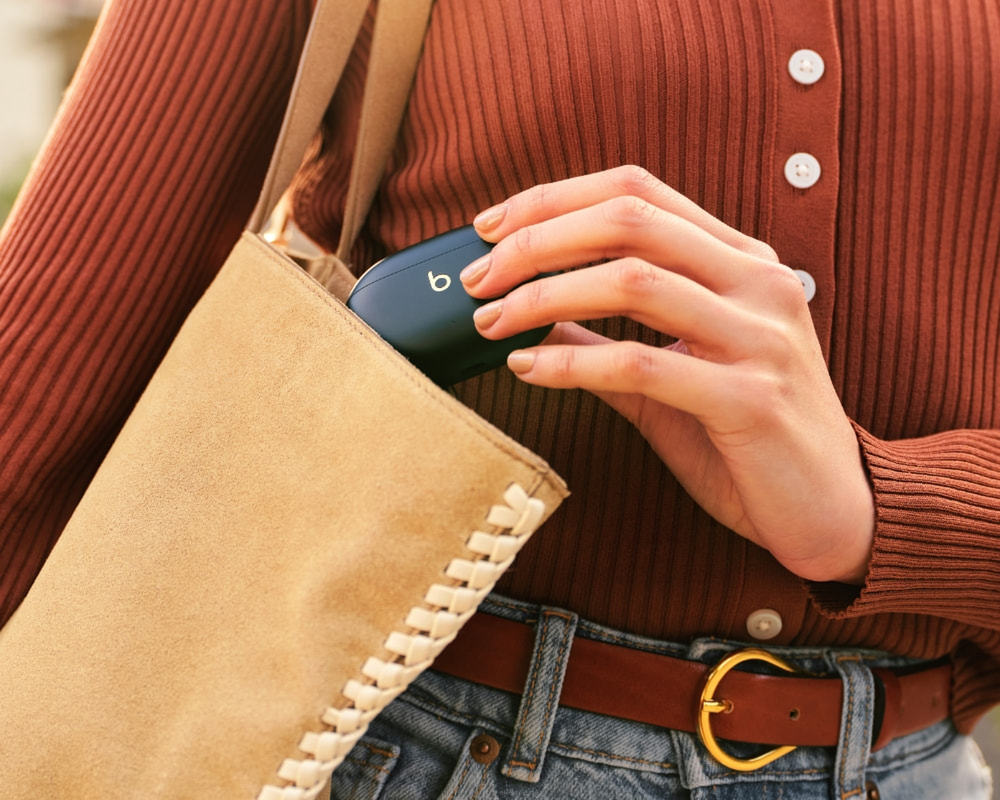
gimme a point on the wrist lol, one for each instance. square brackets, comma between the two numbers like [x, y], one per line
[844, 545]
[852, 567]
[859, 526]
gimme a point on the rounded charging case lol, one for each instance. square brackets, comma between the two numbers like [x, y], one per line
[416, 302]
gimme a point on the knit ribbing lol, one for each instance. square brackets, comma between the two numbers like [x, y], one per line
[163, 141]
[938, 501]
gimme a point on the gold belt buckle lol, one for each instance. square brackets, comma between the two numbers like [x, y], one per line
[708, 705]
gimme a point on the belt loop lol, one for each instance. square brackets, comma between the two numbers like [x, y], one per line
[540, 699]
[887, 722]
[857, 712]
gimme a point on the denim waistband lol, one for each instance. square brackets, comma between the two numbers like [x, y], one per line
[535, 724]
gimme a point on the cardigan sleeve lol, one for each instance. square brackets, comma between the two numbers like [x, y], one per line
[144, 183]
[937, 531]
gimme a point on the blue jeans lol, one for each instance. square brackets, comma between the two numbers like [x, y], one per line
[454, 740]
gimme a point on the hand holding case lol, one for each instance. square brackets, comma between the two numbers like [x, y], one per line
[292, 523]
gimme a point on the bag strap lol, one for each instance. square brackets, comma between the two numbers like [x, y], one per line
[396, 44]
[332, 31]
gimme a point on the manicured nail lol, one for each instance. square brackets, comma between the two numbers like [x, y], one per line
[473, 273]
[520, 361]
[487, 220]
[488, 314]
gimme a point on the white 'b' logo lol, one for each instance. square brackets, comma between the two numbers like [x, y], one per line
[439, 283]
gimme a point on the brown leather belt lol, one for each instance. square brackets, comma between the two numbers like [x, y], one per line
[666, 691]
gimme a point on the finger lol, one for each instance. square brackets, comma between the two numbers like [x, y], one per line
[572, 333]
[622, 226]
[630, 287]
[686, 434]
[549, 200]
[569, 333]
[688, 384]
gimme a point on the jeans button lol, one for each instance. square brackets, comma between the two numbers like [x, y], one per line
[484, 749]
[872, 791]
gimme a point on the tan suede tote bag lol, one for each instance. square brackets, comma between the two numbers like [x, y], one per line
[291, 525]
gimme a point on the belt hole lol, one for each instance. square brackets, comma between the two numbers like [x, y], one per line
[793, 714]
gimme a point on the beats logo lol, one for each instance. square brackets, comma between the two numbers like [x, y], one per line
[439, 283]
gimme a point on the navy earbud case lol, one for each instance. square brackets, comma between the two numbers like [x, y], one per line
[415, 301]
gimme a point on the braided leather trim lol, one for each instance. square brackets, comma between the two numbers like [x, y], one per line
[431, 627]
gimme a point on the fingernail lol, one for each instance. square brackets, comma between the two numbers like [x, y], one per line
[520, 361]
[488, 314]
[487, 220]
[473, 273]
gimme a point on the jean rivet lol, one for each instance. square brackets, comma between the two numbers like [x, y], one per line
[872, 791]
[484, 749]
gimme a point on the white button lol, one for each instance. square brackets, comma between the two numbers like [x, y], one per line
[802, 170]
[806, 66]
[764, 623]
[808, 283]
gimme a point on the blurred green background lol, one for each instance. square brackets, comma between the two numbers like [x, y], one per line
[40, 44]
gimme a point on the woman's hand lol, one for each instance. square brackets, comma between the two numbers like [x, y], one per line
[741, 408]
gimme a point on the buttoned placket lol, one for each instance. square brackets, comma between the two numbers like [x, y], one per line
[805, 168]
[805, 174]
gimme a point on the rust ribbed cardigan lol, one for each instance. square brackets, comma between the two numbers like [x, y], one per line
[160, 147]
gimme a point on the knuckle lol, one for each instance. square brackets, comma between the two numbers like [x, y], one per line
[774, 399]
[635, 362]
[780, 285]
[523, 240]
[631, 179]
[633, 276]
[760, 395]
[630, 211]
[535, 201]
[774, 389]
[761, 250]
[562, 364]
[788, 288]
[530, 295]
[776, 337]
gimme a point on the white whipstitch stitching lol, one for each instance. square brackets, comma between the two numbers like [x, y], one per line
[431, 630]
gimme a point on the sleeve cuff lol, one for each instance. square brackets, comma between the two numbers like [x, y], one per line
[937, 530]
